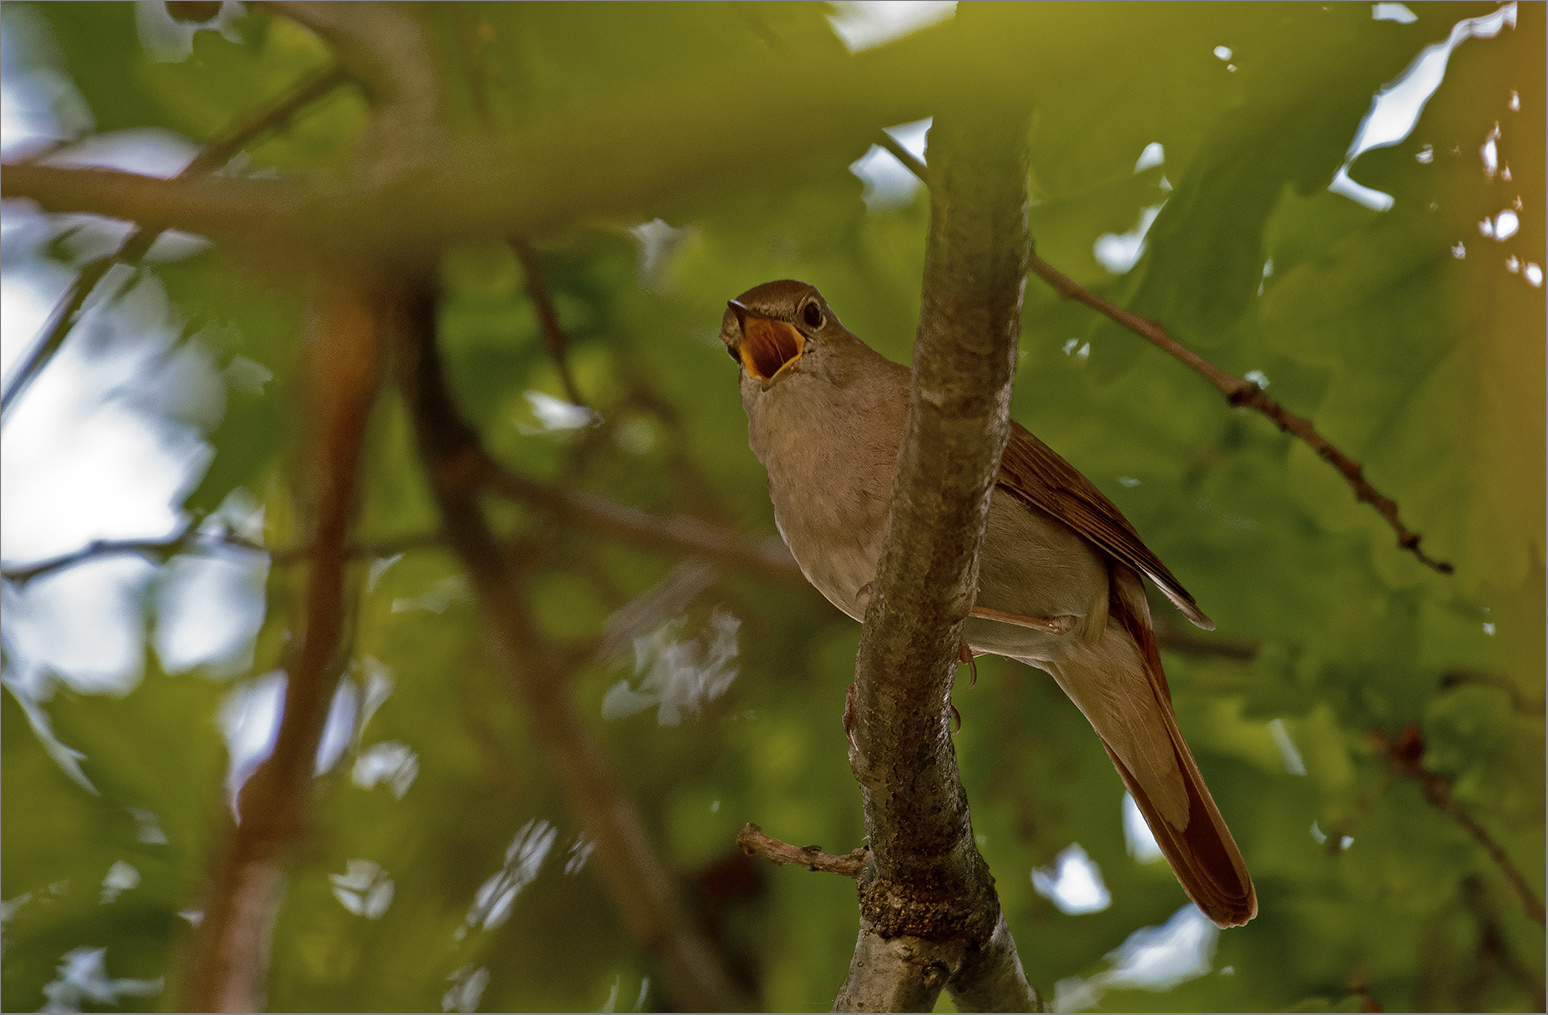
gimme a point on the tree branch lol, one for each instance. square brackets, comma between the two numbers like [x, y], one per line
[754, 841]
[1527, 705]
[929, 915]
[191, 539]
[161, 549]
[553, 335]
[1237, 390]
[1404, 756]
[644, 891]
[213, 156]
[230, 951]
[1242, 392]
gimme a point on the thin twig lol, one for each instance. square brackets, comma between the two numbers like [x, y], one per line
[691, 536]
[1403, 756]
[1492, 950]
[1242, 392]
[754, 841]
[159, 549]
[553, 335]
[1237, 390]
[212, 157]
[1519, 700]
[191, 539]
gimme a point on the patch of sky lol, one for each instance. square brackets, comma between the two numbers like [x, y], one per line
[1073, 882]
[493, 902]
[888, 182]
[1138, 839]
[678, 676]
[864, 24]
[1151, 958]
[1396, 107]
[249, 719]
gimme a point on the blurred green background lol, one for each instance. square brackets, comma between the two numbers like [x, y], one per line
[1181, 157]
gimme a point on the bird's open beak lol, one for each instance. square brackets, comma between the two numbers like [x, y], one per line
[768, 346]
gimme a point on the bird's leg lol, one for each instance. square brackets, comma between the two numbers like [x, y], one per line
[1053, 625]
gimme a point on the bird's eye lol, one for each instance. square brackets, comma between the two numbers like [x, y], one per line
[734, 357]
[812, 314]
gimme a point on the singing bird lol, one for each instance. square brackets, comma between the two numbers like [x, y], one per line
[1059, 584]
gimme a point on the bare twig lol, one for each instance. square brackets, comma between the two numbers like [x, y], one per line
[553, 335]
[212, 157]
[1493, 950]
[769, 558]
[1238, 390]
[1242, 392]
[929, 914]
[1527, 705]
[909, 160]
[160, 549]
[190, 539]
[230, 951]
[1404, 756]
[754, 841]
[647, 897]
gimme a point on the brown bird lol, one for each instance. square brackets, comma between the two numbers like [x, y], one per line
[1059, 573]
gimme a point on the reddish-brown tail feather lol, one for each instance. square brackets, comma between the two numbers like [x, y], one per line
[1203, 855]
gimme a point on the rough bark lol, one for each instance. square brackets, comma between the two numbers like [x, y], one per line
[930, 917]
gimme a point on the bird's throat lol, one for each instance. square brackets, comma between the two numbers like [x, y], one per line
[769, 346]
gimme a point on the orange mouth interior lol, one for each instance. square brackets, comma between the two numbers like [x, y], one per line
[768, 345]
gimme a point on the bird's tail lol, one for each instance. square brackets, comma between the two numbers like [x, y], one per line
[1132, 713]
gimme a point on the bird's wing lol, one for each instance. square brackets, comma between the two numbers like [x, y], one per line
[1034, 473]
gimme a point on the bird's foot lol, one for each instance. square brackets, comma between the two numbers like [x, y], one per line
[956, 718]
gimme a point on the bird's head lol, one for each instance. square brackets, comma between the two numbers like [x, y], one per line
[772, 330]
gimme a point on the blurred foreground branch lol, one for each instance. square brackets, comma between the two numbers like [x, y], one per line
[929, 915]
[230, 952]
[212, 157]
[694, 973]
[1237, 390]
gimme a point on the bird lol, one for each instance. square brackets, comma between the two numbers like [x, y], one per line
[1060, 571]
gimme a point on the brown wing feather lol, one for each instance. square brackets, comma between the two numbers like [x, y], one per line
[1034, 473]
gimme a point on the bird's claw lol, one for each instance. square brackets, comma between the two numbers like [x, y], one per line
[965, 655]
[849, 717]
